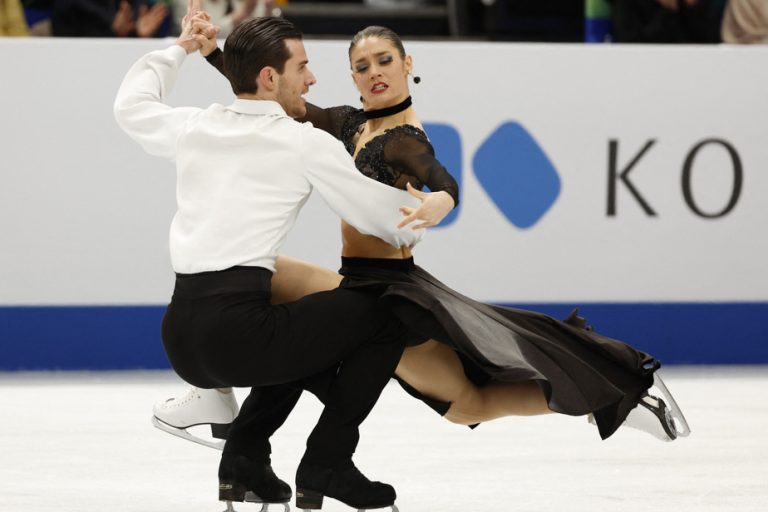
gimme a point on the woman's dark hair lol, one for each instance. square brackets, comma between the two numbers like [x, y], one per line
[254, 45]
[382, 32]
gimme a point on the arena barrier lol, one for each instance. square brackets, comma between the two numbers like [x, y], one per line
[628, 181]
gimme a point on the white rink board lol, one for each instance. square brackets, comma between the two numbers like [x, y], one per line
[84, 213]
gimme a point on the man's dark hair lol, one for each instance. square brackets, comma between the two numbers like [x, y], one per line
[254, 45]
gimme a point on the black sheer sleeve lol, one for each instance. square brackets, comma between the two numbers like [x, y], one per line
[332, 120]
[216, 59]
[412, 159]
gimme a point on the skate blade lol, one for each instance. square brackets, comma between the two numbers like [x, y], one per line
[251, 497]
[310, 501]
[681, 425]
[182, 433]
[392, 507]
[264, 506]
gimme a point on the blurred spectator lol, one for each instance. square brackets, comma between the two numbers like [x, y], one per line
[746, 22]
[667, 21]
[533, 20]
[597, 21]
[12, 22]
[401, 4]
[38, 14]
[110, 18]
[226, 14]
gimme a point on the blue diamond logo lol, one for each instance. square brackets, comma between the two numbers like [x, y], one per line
[517, 175]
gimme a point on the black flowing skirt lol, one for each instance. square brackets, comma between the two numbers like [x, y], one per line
[580, 371]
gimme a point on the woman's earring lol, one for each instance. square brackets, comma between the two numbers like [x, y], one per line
[416, 79]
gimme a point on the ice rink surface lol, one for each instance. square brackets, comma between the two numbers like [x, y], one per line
[72, 442]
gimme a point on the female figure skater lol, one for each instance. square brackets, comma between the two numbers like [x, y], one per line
[481, 362]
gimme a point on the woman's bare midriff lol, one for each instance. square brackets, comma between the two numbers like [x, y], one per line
[358, 245]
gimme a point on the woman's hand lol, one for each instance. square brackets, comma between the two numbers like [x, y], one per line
[434, 207]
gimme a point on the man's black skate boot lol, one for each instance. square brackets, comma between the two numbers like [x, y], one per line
[343, 482]
[244, 479]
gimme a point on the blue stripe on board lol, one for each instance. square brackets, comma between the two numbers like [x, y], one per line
[128, 337]
[81, 338]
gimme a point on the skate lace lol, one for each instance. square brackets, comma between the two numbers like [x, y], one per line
[191, 396]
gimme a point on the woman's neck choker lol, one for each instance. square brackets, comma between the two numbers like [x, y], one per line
[384, 112]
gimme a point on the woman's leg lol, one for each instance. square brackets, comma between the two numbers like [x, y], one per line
[432, 368]
[294, 279]
[436, 371]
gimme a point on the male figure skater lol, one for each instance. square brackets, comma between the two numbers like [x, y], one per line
[243, 173]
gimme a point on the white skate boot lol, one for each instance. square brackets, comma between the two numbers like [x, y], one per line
[653, 416]
[679, 425]
[198, 407]
[657, 413]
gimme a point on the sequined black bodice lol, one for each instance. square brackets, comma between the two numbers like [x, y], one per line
[369, 159]
[400, 155]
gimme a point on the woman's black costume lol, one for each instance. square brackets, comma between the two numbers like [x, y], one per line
[580, 371]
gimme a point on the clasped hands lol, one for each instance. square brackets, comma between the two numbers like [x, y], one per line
[197, 31]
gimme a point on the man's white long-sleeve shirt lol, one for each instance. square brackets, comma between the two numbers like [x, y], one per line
[244, 171]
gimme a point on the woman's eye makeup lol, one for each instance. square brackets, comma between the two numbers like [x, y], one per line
[383, 61]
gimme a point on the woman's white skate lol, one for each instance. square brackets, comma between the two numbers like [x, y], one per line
[681, 427]
[198, 407]
[658, 413]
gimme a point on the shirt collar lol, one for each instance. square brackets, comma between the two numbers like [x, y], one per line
[257, 107]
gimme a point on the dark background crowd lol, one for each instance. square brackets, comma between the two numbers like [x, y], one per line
[620, 21]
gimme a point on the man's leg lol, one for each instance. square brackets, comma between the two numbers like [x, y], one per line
[309, 337]
[349, 396]
[262, 413]
[245, 464]
[327, 468]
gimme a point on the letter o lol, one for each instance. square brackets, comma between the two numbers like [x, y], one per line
[738, 179]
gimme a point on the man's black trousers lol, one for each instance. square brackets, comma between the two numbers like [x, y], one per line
[220, 330]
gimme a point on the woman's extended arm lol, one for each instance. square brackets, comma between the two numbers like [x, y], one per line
[414, 158]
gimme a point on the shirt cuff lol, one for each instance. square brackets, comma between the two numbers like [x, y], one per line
[178, 53]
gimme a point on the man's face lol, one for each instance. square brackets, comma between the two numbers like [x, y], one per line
[295, 80]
